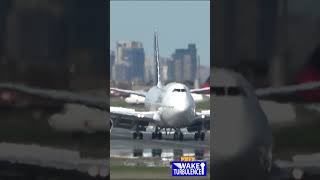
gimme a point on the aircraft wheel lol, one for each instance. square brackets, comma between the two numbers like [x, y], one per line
[135, 135]
[140, 136]
[180, 136]
[196, 136]
[202, 136]
[160, 136]
[153, 135]
[175, 136]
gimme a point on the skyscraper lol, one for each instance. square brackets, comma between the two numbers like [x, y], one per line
[186, 69]
[149, 73]
[112, 58]
[132, 53]
[171, 70]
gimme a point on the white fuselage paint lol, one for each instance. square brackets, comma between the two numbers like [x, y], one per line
[176, 109]
[241, 131]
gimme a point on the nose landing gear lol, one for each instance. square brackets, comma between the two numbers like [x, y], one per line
[157, 134]
[199, 135]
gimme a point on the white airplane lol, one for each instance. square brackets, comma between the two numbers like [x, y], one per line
[169, 107]
[242, 142]
[79, 118]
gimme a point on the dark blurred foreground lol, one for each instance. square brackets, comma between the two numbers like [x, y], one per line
[50, 44]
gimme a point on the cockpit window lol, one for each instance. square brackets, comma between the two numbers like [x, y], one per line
[219, 91]
[179, 90]
[228, 91]
[236, 91]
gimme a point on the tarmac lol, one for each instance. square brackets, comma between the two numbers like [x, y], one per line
[156, 152]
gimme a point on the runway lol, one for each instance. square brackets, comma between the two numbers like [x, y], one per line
[122, 139]
[123, 146]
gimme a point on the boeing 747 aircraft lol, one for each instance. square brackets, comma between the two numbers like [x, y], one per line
[169, 107]
[242, 143]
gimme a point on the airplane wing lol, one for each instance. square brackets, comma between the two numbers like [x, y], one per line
[52, 158]
[63, 96]
[143, 94]
[288, 93]
[130, 118]
[202, 121]
[200, 90]
[300, 167]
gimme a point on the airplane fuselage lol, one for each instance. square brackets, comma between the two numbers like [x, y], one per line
[242, 133]
[174, 103]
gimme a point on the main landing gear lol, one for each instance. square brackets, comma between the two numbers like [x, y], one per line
[136, 135]
[157, 134]
[199, 135]
[178, 135]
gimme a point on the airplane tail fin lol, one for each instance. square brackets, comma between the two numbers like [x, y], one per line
[156, 57]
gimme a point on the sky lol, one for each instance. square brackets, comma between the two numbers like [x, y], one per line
[178, 23]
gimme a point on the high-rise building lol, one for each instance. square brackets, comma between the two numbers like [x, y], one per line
[193, 53]
[149, 71]
[122, 72]
[186, 62]
[164, 73]
[178, 70]
[164, 67]
[171, 70]
[132, 53]
[112, 60]
[188, 74]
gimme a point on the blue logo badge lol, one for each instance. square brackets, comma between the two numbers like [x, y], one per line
[193, 168]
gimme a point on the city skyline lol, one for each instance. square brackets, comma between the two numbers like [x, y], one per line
[178, 24]
[131, 64]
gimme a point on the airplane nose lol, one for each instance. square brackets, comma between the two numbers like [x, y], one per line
[181, 111]
[182, 103]
[182, 108]
[228, 149]
[238, 139]
[237, 131]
